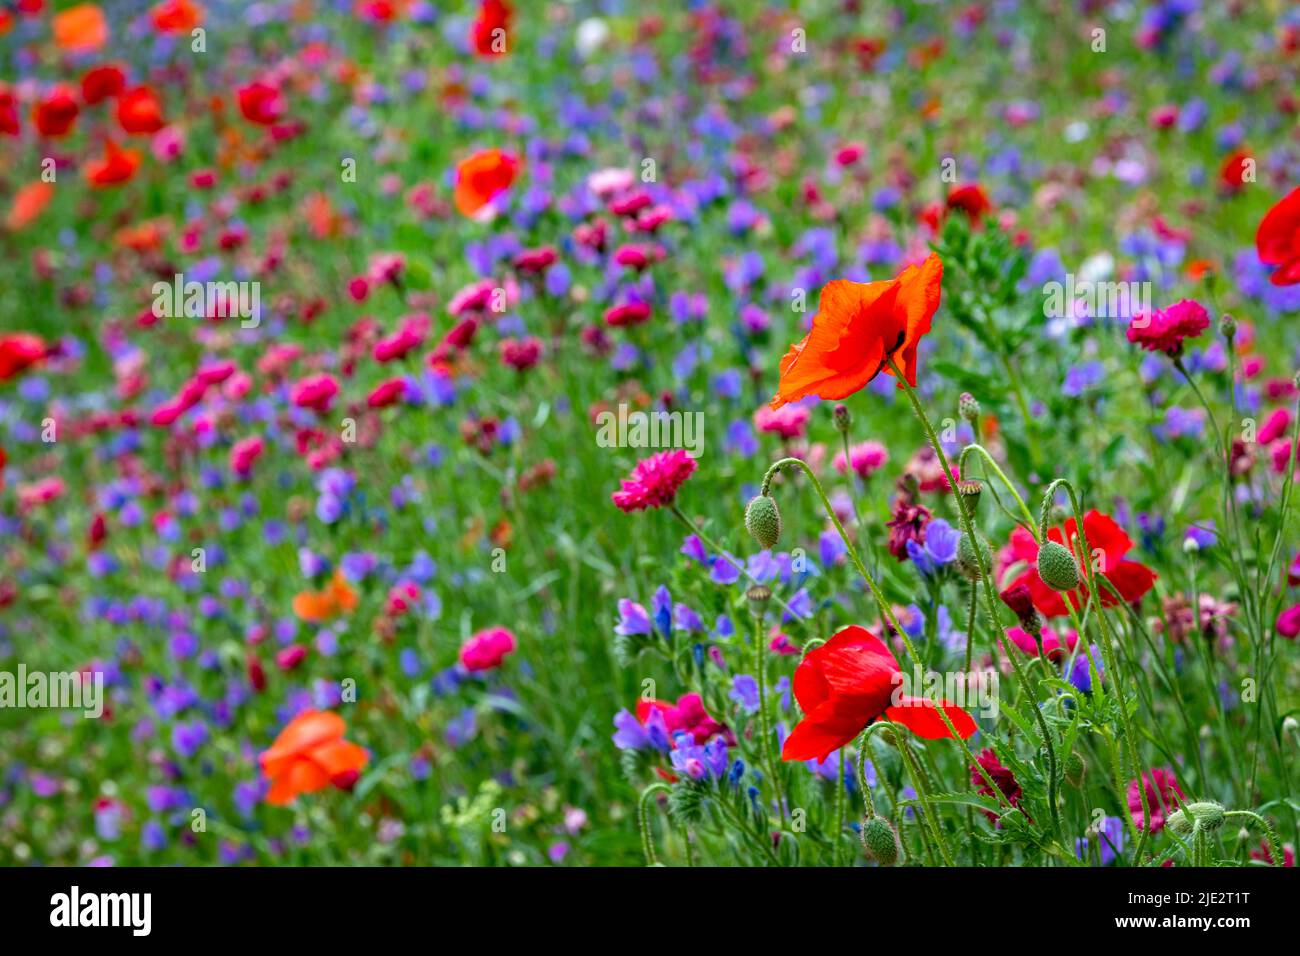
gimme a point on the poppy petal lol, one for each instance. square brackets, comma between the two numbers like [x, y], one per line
[922, 718]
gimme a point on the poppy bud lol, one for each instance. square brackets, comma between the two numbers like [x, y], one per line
[1057, 567]
[972, 554]
[968, 407]
[842, 417]
[1179, 822]
[1207, 814]
[763, 521]
[1018, 598]
[880, 840]
[1075, 768]
[970, 489]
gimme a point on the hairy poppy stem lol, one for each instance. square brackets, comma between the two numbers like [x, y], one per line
[985, 574]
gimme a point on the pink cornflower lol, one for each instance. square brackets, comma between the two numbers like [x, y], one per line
[244, 453]
[315, 392]
[1165, 330]
[654, 481]
[487, 649]
[1162, 793]
[788, 421]
[866, 459]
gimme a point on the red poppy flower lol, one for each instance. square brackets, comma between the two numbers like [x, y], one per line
[260, 103]
[19, 350]
[102, 82]
[176, 16]
[971, 201]
[117, 166]
[1278, 239]
[9, 124]
[1108, 545]
[1232, 174]
[858, 326]
[55, 114]
[140, 111]
[490, 34]
[482, 177]
[847, 683]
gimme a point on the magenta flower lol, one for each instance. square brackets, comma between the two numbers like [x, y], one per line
[1166, 329]
[654, 481]
[1163, 796]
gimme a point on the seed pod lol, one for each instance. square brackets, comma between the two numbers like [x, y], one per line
[763, 521]
[880, 840]
[1057, 567]
[970, 489]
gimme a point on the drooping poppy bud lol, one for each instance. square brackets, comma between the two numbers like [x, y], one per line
[880, 840]
[763, 521]
[1057, 567]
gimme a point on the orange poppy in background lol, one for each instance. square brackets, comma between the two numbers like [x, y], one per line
[336, 598]
[176, 16]
[482, 177]
[858, 327]
[80, 28]
[116, 166]
[29, 202]
[309, 755]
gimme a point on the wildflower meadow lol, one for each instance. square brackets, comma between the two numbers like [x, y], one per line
[583, 433]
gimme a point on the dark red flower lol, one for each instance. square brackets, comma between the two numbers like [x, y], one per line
[102, 82]
[851, 681]
[1004, 779]
[1107, 544]
[55, 114]
[907, 524]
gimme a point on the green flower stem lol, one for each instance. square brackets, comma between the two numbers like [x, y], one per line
[1274, 845]
[1107, 648]
[982, 452]
[914, 770]
[765, 752]
[886, 611]
[987, 579]
[730, 560]
[643, 820]
[841, 810]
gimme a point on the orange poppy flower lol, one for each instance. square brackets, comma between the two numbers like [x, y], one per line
[29, 202]
[309, 755]
[117, 166]
[857, 328]
[482, 177]
[80, 28]
[336, 598]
